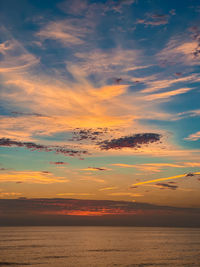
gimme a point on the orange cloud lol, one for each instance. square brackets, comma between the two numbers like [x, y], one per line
[75, 194]
[125, 194]
[108, 188]
[31, 177]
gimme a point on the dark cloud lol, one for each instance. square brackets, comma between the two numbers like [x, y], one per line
[90, 134]
[3, 169]
[134, 141]
[58, 162]
[117, 80]
[166, 186]
[190, 174]
[98, 169]
[37, 147]
[45, 211]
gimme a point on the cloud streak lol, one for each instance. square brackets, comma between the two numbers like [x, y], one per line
[193, 137]
[68, 32]
[166, 186]
[31, 177]
[36, 147]
[95, 169]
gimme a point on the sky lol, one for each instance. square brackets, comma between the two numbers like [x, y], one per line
[99, 104]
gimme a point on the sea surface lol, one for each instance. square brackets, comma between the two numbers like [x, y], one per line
[99, 246]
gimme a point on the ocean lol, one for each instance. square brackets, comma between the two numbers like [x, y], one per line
[99, 246]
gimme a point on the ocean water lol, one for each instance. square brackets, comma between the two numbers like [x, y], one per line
[99, 246]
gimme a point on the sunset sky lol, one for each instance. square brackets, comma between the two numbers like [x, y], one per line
[100, 101]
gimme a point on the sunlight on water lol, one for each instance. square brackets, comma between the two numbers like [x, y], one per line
[99, 246]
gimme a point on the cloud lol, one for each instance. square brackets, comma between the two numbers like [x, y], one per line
[31, 177]
[9, 194]
[192, 164]
[27, 114]
[75, 7]
[189, 113]
[68, 32]
[157, 167]
[193, 137]
[90, 134]
[196, 36]
[74, 194]
[154, 20]
[166, 186]
[123, 165]
[181, 51]
[168, 94]
[58, 163]
[150, 167]
[134, 141]
[108, 188]
[14, 57]
[95, 169]
[154, 84]
[190, 174]
[36, 147]
[119, 4]
[125, 194]
[167, 178]
[106, 64]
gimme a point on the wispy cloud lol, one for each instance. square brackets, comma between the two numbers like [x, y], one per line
[125, 194]
[193, 137]
[33, 146]
[154, 84]
[157, 167]
[9, 194]
[107, 64]
[95, 169]
[75, 7]
[154, 19]
[68, 32]
[75, 194]
[108, 188]
[168, 94]
[31, 177]
[15, 58]
[149, 167]
[180, 51]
